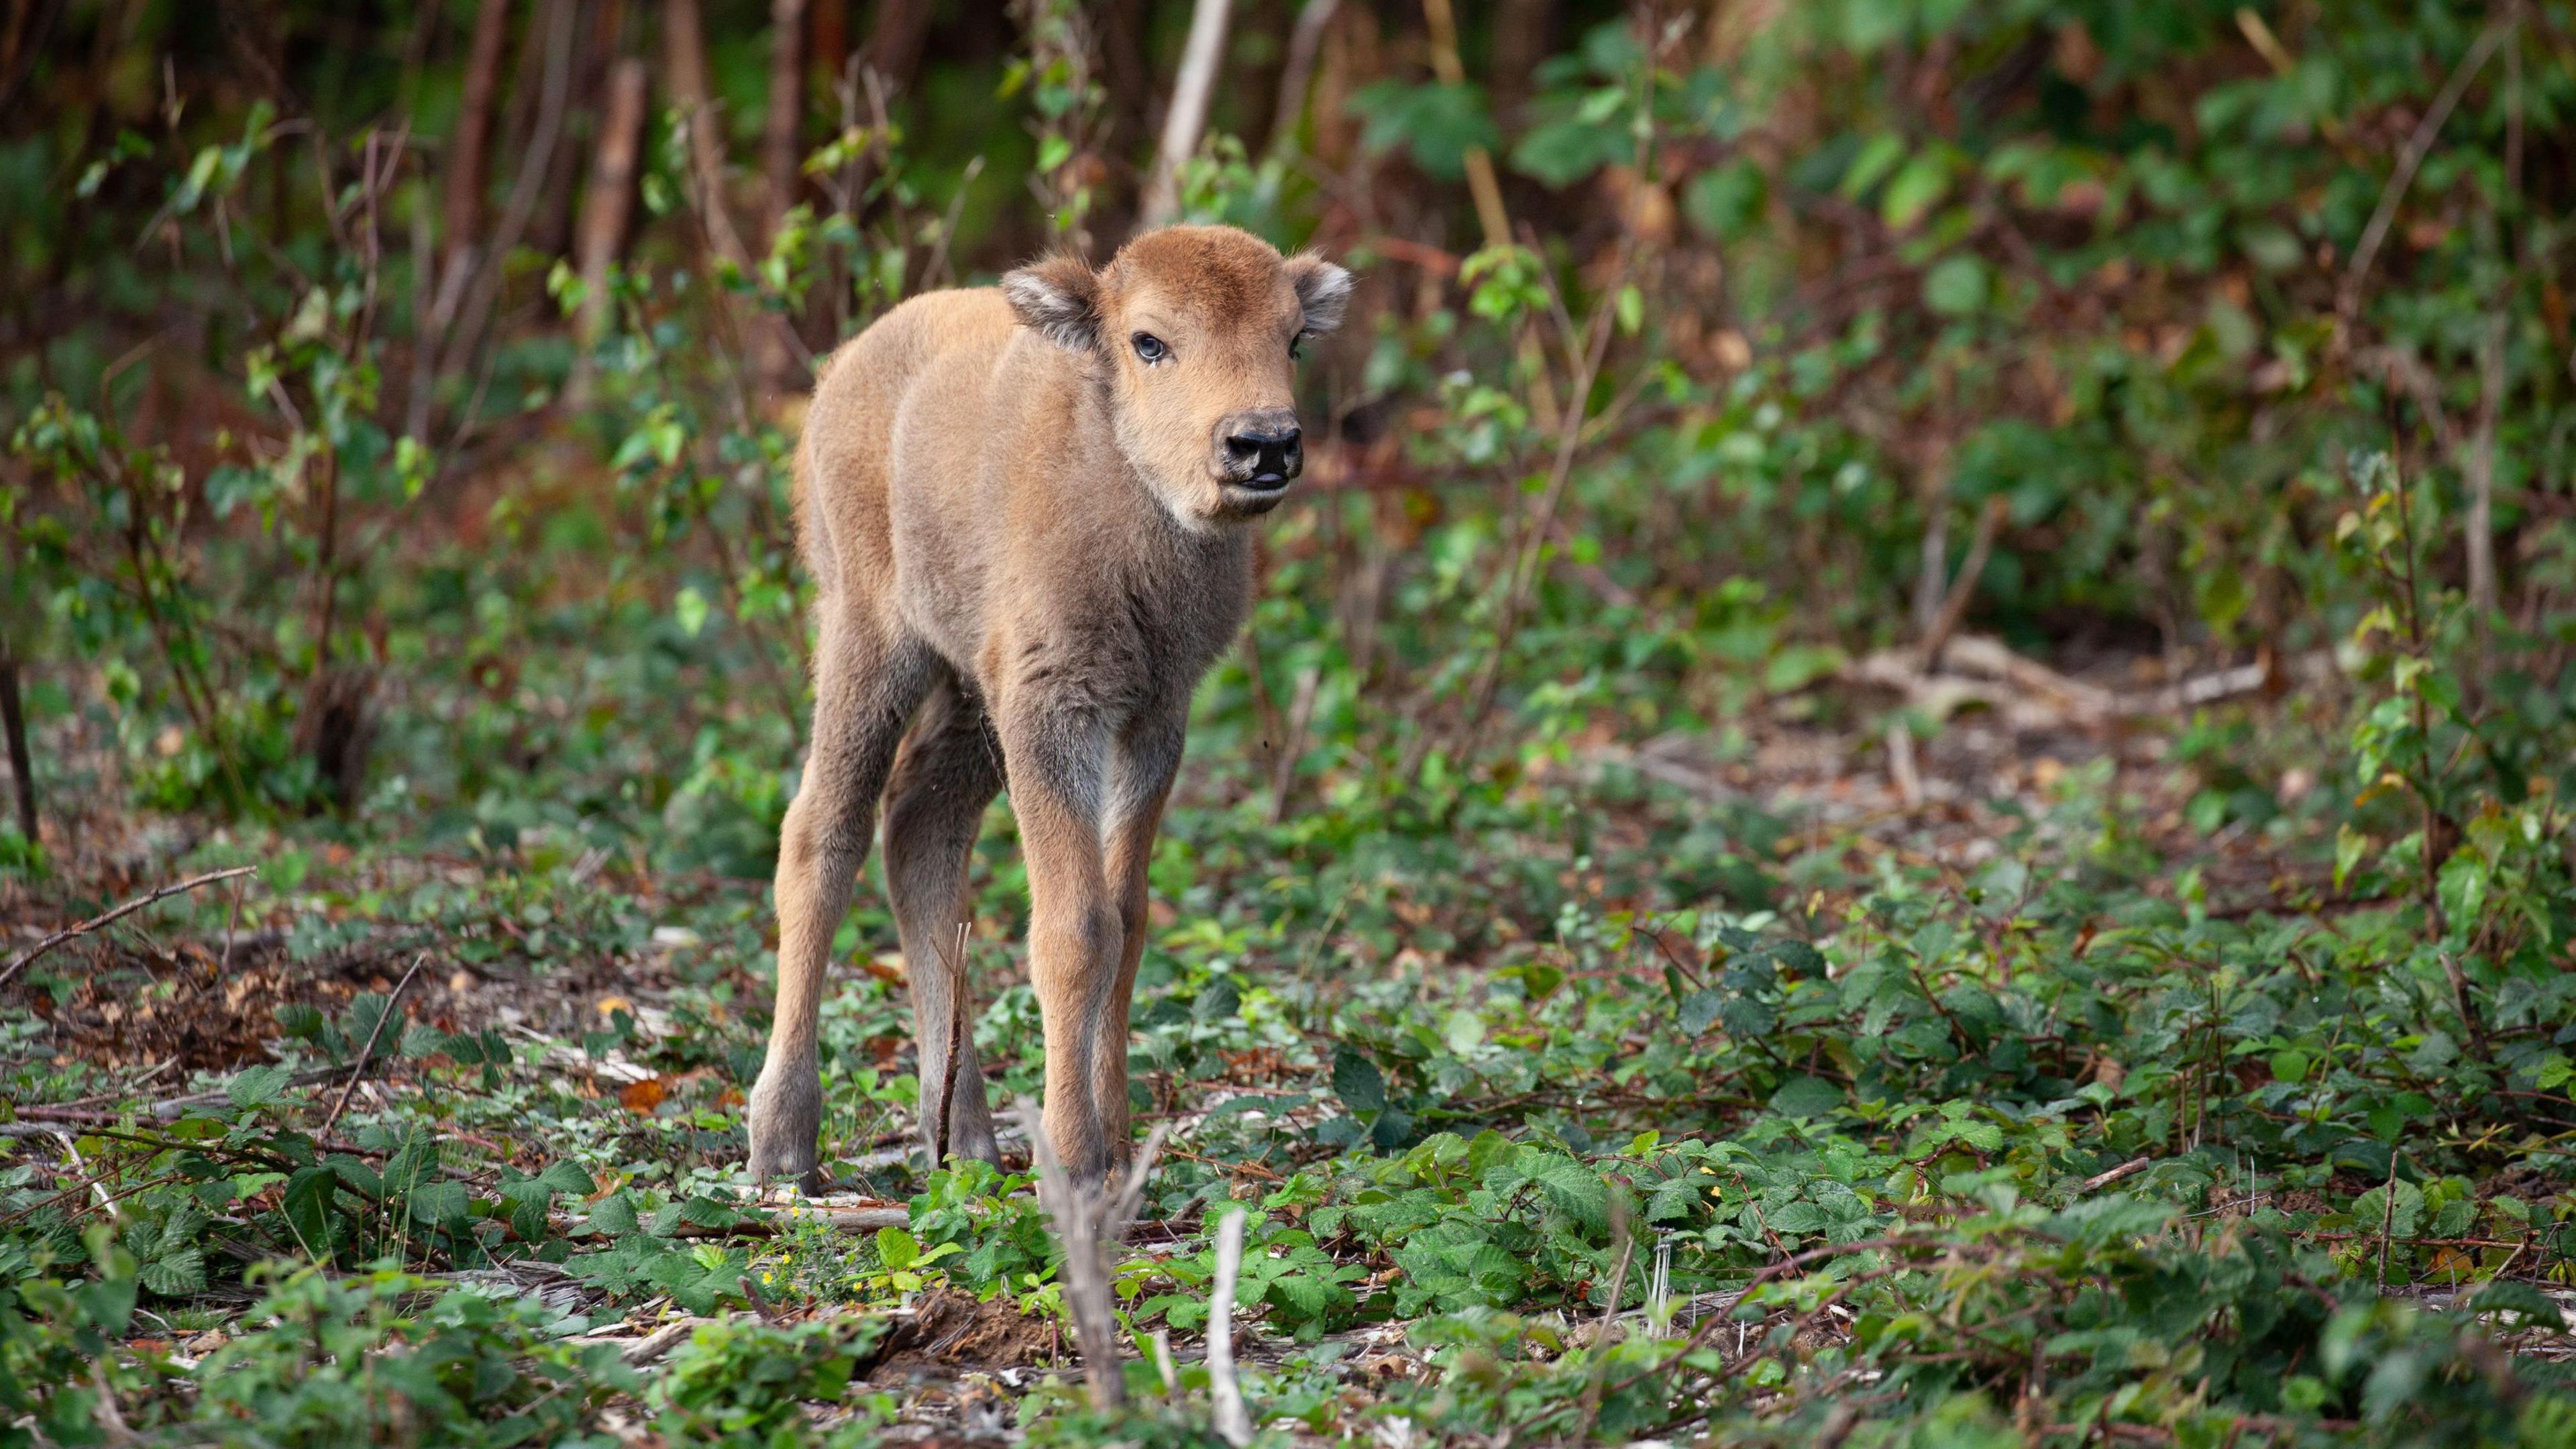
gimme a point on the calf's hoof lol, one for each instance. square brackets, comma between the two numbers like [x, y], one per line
[786, 1122]
[970, 1140]
[974, 1138]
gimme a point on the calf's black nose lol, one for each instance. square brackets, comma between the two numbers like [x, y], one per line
[1268, 455]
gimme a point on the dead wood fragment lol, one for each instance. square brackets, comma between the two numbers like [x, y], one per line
[1224, 1393]
[1977, 669]
[1088, 1222]
[1954, 605]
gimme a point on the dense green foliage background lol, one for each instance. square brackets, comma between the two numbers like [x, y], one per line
[396, 498]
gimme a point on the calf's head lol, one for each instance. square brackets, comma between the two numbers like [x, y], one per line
[1192, 334]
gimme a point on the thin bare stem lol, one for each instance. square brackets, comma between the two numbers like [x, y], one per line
[1225, 1394]
[367, 1053]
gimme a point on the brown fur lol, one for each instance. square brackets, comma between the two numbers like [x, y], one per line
[1028, 544]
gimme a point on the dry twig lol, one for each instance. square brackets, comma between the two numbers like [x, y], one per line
[24, 958]
[367, 1053]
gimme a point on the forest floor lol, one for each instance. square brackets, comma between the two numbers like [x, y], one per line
[552, 1113]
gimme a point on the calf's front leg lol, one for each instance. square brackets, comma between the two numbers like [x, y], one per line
[1054, 758]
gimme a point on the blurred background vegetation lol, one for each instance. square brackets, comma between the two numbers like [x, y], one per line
[398, 399]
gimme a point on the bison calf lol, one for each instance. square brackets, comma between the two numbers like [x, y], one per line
[1027, 512]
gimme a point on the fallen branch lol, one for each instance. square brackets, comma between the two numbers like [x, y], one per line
[39, 1123]
[1979, 669]
[24, 958]
[839, 1220]
[661, 1340]
[2128, 1169]
[113, 1107]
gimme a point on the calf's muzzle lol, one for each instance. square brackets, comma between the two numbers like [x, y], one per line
[1261, 450]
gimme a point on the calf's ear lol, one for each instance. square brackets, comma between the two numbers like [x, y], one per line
[1323, 289]
[1060, 299]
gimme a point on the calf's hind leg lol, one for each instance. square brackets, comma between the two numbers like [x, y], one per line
[948, 771]
[867, 683]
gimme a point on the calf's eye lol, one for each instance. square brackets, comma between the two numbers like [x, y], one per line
[1150, 348]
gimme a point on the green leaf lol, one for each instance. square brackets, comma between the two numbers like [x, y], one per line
[565, 1177]
[438, 1204]
[1575, 1189]
[897, 1249]
[1221, 1000]
[1727, 201]
[258, 1086]
[1956, 286]
[1876, 157]
[1806, 1097]
[2350, 846]
[356, 1175]
[176, 1274]
[614, 1215]
[689, 607]
[1921, 183]
[1700, 1009]
[1560, 153]
[1437, 125]
[307, 1203]
[1357, 1081]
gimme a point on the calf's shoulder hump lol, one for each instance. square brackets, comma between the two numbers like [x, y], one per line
[895, 349]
